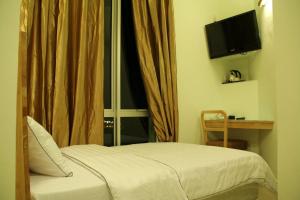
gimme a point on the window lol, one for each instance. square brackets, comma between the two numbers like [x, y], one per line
[126, 117]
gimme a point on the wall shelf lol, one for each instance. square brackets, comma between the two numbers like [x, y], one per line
[233, 82]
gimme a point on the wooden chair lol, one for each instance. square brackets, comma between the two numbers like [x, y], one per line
[225, 142]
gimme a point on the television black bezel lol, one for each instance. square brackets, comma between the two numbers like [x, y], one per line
[256, 34]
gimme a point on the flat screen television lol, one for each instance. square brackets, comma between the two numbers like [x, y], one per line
[234, 35]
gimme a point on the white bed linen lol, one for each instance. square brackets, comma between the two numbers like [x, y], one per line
[83, 185]
[204, 171]
[207, 170]
[128, 176]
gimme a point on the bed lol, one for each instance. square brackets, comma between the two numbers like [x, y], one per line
[158, 171]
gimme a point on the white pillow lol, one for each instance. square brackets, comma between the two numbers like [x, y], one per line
[44, 155]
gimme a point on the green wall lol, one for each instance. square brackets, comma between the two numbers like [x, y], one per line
[9, 22]
[287, 45]
[262, 69]
[198, 77]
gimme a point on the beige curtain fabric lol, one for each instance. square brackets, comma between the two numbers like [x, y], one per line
[154, 30]
[22, 167]
[65, 69]
[60, 75]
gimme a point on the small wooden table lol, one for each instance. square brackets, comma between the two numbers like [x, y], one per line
[241, 124]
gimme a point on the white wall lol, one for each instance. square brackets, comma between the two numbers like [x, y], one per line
[262, 69]
[9, 20]
[199, 78]
[287, 61]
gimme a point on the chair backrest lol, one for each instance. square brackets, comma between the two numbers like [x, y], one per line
[223, 128]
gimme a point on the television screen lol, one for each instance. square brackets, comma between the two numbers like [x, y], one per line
[237, 34]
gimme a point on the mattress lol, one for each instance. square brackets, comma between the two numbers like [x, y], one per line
[204, 172]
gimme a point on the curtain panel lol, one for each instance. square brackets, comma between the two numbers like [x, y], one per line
[155, 36]
[60, 75]
[22, 165]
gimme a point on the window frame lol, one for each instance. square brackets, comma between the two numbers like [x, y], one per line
[115, 111]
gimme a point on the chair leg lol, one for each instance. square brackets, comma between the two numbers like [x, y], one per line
[226, 137]
[205, 137]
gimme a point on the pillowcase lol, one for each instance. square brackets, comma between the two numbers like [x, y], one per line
[44, 155]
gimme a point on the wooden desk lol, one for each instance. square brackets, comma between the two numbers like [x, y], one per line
[241, 124]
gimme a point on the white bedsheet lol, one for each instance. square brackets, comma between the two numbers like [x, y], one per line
[128, 176]
[207, 170]
[201, 171]
[83, 185]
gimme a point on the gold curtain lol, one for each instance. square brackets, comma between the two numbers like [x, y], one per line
[22, 167]
[155, 36]
[60, 81]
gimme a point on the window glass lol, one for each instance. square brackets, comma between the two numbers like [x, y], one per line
[108, 131]
[135, 125]
[134, 130]
[132, 88]
[107, 53]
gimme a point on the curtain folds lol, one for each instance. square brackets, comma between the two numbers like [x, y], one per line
[155, 36]
[22, 166]
[60, 80]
